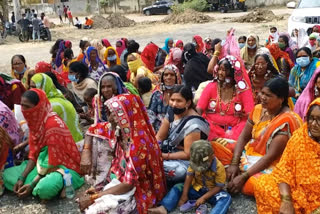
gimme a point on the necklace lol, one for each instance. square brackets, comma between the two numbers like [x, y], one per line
[223, 113]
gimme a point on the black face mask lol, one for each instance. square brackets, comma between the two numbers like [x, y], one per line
[178, 111]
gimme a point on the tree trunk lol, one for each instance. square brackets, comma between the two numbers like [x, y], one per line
[16, 9]
[5, 9]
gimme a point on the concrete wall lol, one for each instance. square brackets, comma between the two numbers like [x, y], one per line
[258, 3]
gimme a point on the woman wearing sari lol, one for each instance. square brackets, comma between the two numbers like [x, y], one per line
[198, 43]
[294, 184]
[132, 136]
[311, 92]
[168, 44]
[120, 46]
[175, 58]
[179, 129]
[59, 103]
[249, 51]
[267, 131]
[19, 69]
[227, 111]
[110, 85]
[52, 150]
[302, 72]
[111, 57]
[159, 102]
[95, 65]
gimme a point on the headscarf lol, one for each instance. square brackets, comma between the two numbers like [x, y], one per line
[175, 58]
[303, 38]
[170, 67]
[317, 26]
[47, 129]
[5, 145]
[200, 43]
[277, 53]
[178, 43]
[307, 96]
[121, 48]
[148, 55]
[62, 46]
[86, 58]
[273, 37]
[134, 65]
[244, 51]
[100, 48]
[106, 43]
[266, 51]
[44, 82]
[9, 123]
[106, 54]
[292, 44]
[166, 47]
[100, 112]
[43, 67]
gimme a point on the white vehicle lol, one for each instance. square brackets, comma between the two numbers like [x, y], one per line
[305, 15]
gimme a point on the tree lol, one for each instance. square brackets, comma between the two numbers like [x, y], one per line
[5, 9]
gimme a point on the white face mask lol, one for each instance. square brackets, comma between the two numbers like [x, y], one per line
[274, 34]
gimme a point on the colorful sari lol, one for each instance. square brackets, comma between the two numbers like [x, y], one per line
[106, 54]
[299, 167]
[60, 104]
[299, 79]
[51, 148]
[199, 41]
[43, 67]
[23, 77]
[94, 74]
[121, 48]
[148, 56]
[307, 96]
[138, 148]
[11, 90]
[166, 47]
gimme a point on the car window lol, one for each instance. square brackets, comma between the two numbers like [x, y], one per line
[157, 3]
[309, 3]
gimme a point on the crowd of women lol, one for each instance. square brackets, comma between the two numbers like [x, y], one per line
[159, 128]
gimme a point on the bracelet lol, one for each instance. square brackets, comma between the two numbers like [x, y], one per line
[21, 178]
[245, 175]
[168, 156]
[286, 198]
[94, 197]
[87, 146]
[33, 184]
[159, 142]
[235, 161]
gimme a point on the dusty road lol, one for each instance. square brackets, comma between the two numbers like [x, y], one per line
[142, 32]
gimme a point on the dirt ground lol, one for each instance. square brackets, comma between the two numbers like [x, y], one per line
[148, 28]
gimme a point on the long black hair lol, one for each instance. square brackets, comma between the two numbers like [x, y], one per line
[185, 92]
[280, 87]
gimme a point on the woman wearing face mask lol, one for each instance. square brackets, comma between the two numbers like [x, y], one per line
[198, 43]
[249, 51]
[302, 72]
[179, 129]
[95, 65]
[310, 93]
[19, 69]
[159, 102]
[242, 41]
[175, 58]
[313, 42]
[293, 186]
[79, 76]
[273, 35]
[111, 57]
[226, 104]
[110, 85]
[284, 45]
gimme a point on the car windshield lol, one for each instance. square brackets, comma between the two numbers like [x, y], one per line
[309, 3]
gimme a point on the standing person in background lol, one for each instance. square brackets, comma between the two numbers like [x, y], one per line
[60, 11]
[36, 27]
[13, 18]
[24, 24]
[46, 24]
[70, 18]
[65, 10]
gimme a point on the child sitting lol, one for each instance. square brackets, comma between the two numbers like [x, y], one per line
[88, 97]
[205, 179]
[144, 88]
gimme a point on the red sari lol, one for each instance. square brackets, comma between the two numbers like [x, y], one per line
[144, 164]
[48, 129]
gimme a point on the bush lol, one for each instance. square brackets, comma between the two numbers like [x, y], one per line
[197, 5]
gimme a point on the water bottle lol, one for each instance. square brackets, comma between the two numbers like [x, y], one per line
[229, 132]
[68, 184]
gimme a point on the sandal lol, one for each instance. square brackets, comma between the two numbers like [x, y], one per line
[189, 205]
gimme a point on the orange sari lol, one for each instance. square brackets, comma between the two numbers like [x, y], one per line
[262, 135]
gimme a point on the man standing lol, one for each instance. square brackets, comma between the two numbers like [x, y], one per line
[46, 24]
[24, 23]
[60, 11]
[70, 17]
[36, 27]
[65, 10]
[13, 18]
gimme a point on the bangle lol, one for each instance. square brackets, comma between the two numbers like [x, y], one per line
[245, 175]
[235, 161]
[286, 198]
[87, 146]
[33, 184]
[168, 156]
[94, 197]
[21, 178]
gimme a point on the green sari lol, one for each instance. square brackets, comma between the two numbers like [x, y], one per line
[60, 104]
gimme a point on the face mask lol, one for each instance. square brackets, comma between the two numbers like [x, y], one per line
[282, 45]
[273, 34]
[178, 111]
[72, 78]
[22, 72]
[252, 46]
[312, 42]
[195, 44]
[112, 58]
[303, 61]
[134, 65]
[169, 87]
[241, 45]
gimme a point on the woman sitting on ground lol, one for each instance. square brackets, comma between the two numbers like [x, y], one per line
[59, 103]
[249, 51]
[83, 45]
[293, 186]
[159, 102]
[19, 69]
[95, 65]
[228, 111]
[111, 57]
[302, 72]
[52, 151]
[179, 129]
[110, 85]
[132, 136]
[79, 76]
[267, 131]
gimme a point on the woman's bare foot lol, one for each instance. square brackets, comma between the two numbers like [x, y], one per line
[158, 210]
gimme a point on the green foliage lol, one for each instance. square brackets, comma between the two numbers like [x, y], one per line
[104, 3]
[88, 7]
[197, 5]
